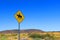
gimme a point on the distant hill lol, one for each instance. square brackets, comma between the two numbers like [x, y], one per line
[21, 31]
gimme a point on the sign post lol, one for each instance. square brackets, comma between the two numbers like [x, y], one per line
[19, 17]
[18, 31]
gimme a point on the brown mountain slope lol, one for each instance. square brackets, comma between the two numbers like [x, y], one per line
[21, 31]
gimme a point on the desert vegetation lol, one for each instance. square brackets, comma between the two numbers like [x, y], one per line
[32, 35]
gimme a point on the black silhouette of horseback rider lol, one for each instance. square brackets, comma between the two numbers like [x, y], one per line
[19, 16]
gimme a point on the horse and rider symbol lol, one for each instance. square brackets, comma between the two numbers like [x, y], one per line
[19, 16]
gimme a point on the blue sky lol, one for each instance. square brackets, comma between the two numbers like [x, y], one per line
[39, 14]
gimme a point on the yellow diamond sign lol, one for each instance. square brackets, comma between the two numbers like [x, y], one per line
[19, 16]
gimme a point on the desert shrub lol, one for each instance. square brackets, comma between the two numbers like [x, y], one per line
[3, 37]
[37, 36]
[49, 37]
[14, 34]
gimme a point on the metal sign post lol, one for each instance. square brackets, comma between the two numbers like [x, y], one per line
[19, 17]
[18, 31]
